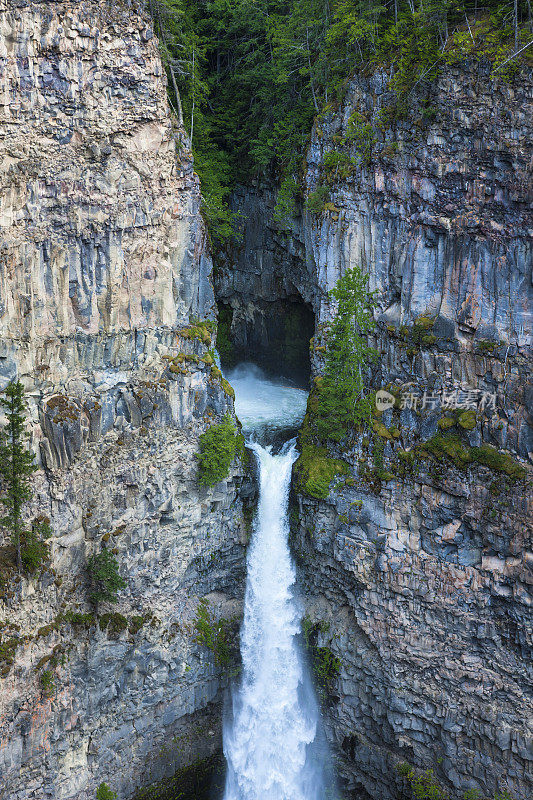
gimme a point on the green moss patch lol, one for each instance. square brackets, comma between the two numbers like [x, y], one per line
[202, 330]
[114, 623]
[498, 461]
[467, 420]
[445, 423]
[449, 447]
[314, 471]
[201, 780]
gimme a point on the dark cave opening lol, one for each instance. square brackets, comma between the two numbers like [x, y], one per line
[273, 335]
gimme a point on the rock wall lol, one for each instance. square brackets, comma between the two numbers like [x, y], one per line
[103, 266]
[422, 566]
[265, 289]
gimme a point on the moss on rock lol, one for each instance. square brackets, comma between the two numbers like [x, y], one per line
[218, 447]
[314, 471]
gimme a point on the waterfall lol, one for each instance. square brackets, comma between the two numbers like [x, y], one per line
[271, 737]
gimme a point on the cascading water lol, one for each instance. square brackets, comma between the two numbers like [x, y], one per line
[271, 741]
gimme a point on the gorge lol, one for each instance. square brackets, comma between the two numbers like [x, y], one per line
[411, 536]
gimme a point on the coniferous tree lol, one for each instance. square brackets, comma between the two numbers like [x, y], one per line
[17, 463]
[106, 581]
[342, 400]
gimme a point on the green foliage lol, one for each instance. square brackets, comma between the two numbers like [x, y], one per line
[218, 447]
[341, 402]
[105, 579]
[201, 779]
[114, 623]
[360, 132]
[17, 464]
[314, 471]
[48, 683]
[225, 346]
[326, 666]
[105, 793]
[34, 549]
[450, 447]
[338, 166]
[425, 786]
[499, 462]
[285, 208]
[249, 76]
[213, 634]
[316, 201]
[199, 329]
[8, 648]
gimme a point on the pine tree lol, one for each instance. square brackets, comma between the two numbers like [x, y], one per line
[342, 401]
[106, 581]
[16, 465]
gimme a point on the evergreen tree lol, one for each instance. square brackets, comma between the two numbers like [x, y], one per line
[16, 465]
[106, 581]
[342, 401]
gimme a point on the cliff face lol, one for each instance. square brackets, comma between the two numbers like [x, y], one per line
[103, 266]
[422, 566]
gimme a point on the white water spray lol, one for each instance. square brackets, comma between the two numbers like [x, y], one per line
[270, 742]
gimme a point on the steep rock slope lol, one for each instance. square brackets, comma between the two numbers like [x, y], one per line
[104, 266]
[420, 562]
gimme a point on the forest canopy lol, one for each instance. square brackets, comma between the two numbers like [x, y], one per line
[247, 77]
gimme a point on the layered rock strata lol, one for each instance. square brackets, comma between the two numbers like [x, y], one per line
[106, 316]
[420, 561]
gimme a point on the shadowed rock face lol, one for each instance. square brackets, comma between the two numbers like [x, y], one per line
[424, 575]
[103, 264]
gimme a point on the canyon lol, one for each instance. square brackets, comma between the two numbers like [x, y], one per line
[420, 583]
[105, 264]
[418, 579]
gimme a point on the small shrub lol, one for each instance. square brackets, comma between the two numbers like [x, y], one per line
[218, 447]
[105, 579]
[8, 648]
[316, 201]
[48, 683]
[424, 786]
[225, 345]
[135, 624]
[213, 634]
[360, 132]
[403, 769]
[326, 667]
[105, 793]
[499, 462]
[338, 166]
[34, 549]
[114, 623]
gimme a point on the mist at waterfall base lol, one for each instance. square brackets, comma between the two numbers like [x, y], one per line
[273, 742]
